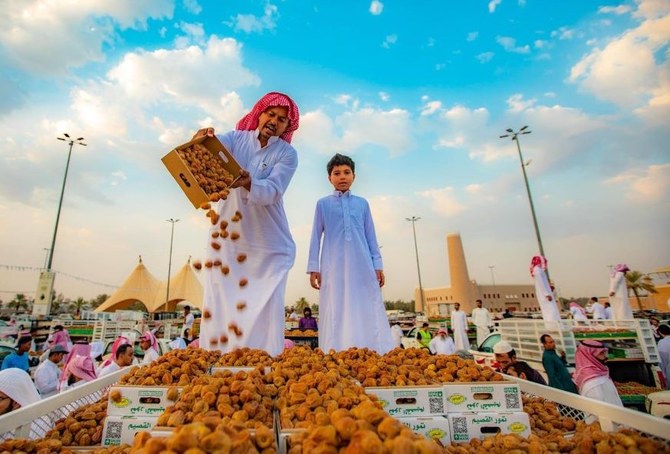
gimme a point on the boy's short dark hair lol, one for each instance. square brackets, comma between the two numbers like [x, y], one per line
[664, 329]
[187, 308]
[341, 160]
[520, 367]
[24, 340]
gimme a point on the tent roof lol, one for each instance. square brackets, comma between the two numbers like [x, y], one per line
[140, 286]
[184, 286]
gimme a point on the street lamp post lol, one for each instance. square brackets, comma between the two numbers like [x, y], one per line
[44, 293]
[515, 137]
[413, 219]
[71, 142]
[167, 295]
[46, 257]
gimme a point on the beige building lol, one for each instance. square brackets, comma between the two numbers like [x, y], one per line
[465, 291]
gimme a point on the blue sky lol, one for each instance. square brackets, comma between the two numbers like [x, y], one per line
[416, 95]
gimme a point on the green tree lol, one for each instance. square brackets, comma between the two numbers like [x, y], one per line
[638, 283]
[315, 309]
[98, 300]
[19, 302]
[300, 305]
[79, 304]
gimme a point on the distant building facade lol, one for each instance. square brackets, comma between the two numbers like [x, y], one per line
[463, 290]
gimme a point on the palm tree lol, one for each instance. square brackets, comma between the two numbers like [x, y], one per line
[79, 304]
[301, 304]
[638, 282]
[19, 301]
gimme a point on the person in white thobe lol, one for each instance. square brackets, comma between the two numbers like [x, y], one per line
[577, 311]
[47, 374]
[608, 311]
[397, 334]
[124, 357]
[459, 326]
[149, 344]
[597, 309]
[621, 309]
[442, 344]
[346, 267]
[592, 376]
[664, 352]
[543, 291]
[481, 318]
[245, 286]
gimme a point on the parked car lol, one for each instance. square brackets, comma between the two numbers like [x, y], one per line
[409, 339]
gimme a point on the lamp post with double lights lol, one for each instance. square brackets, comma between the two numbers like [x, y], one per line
[413, 219]
[42, 304]
[514, 135]
[167, 295]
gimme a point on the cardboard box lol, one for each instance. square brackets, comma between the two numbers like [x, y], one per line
[431, 427]
[183, 175]
[411, 400]
[468, 426]
[118, 430]
[139, 401]
[502, 396]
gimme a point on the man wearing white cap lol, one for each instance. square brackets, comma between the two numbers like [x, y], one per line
[442, 344]
[506, 357]
[48, 373]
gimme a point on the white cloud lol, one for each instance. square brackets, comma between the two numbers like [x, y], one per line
[342, 99]
[355, 128]
[564, 33]
[516, 103]
[443, 201]
[509, 44]
[192, 6]
[629, 71]
[619, 9]
[47, 37]
[431, 107]
[485, 57]
[645, 185]
[493, 4]
[389, 41]
[376, 7]
[248, 23]
[540, 44]
[194, 34]
[384, 96]
[472, 36]
[139, 75]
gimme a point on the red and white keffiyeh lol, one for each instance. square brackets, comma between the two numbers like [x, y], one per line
[537, 260]
[273, 99]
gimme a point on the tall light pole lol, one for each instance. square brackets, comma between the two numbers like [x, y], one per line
[515, 137]
[413, 219]
[71, 142]
[44, 293]
[46, 256]
[167, 295]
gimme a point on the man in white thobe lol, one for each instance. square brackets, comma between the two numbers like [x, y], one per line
[459, 326]
[47, 374]
[543, 291]
[442, 344]
[621, 309]
[397, 334]
[597, 309]
[124, 357]
[481, 318]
